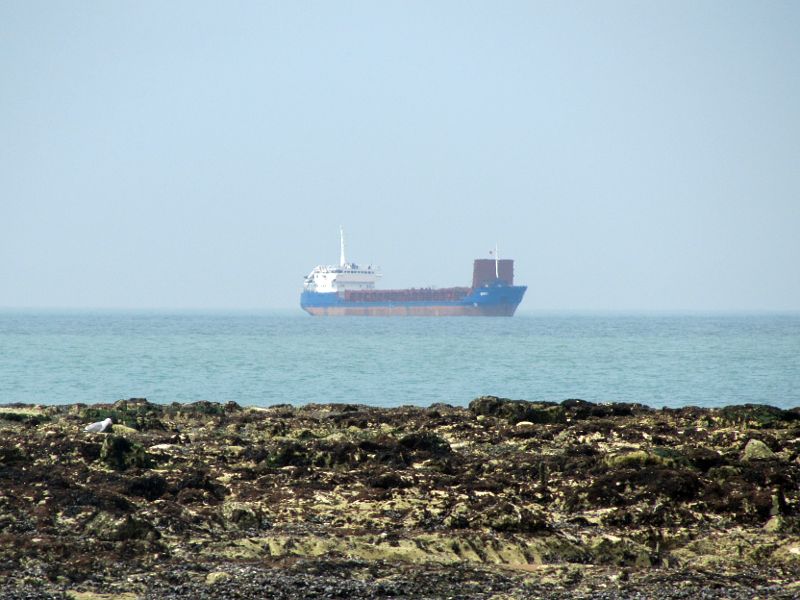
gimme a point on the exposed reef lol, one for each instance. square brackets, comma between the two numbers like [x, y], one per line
[503, 499]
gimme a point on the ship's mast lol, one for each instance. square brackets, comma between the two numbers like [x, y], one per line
[496, 262]
[342, 261]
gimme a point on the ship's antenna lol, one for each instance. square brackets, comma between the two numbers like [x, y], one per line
[496, 261]
[342, 261]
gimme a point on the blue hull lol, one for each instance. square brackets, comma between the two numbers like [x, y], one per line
[491, 300]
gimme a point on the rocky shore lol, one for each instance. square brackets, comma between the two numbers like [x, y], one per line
[503, 499]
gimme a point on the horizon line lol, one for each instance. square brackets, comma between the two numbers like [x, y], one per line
[523, 311]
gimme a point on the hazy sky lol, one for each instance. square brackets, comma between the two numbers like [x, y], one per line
[628, 155]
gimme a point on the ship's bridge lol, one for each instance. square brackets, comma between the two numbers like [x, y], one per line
[348, 276]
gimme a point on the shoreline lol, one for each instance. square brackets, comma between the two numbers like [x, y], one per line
[502, 498]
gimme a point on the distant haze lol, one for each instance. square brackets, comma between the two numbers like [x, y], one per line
[627, 155]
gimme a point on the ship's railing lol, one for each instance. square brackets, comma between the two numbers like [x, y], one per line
[409, 295]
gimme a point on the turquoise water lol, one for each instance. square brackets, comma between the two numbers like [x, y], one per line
[289, 357]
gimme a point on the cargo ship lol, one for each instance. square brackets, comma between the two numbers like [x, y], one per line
[349, 290]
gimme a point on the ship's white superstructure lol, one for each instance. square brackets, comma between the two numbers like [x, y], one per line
[347, 276]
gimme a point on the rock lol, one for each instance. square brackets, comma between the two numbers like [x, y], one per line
[207, 408]
[389, 481]
[198, 485]
[106, 526]
[637, 458]
[641, 458]
[234, 451]
[508, 517]
[165, 448]
[123, 429]
[10, 454]
[458, 517]
[613, 550]
[288, 453]
[28, 417]
[84, 595]
[424, 442]
[757, 450]
[150, 487]
[242, 515]
[704, 459]
[756, 415]
[216, 577]
[515, 411]
[775, 524]
[120, 453]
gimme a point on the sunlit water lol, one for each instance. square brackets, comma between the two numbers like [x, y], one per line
[289, 357]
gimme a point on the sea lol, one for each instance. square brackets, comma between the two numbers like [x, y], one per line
[288, 357]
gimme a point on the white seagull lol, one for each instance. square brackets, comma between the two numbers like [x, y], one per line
[98, 427]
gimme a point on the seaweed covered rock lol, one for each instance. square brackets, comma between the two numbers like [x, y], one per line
[121, 453]
[108, 527]
[515, 411]
[244, 515]
[425, 443]
[756, 415]
[150, 487]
